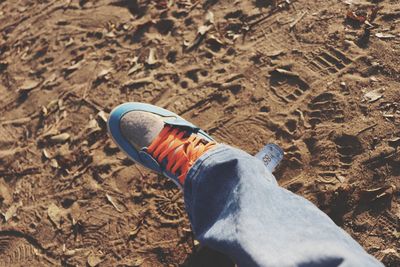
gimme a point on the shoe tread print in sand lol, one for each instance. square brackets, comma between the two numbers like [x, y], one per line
[19, 249]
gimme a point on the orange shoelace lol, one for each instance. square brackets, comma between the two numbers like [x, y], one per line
[181, 151]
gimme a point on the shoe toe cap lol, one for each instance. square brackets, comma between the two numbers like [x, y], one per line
[141, 127]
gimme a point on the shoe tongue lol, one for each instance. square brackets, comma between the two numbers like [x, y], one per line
[141, 128]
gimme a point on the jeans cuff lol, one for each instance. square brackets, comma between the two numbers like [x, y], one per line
[196, 169]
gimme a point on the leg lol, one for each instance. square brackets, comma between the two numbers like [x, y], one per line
[235, 206]
[234, 202]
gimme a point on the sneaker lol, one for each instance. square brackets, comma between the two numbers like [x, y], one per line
[158, 139]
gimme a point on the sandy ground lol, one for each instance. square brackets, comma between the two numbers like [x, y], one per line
[320, 78]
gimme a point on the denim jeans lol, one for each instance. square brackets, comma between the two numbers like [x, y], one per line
[236, 207]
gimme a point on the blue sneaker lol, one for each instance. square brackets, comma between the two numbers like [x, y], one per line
[158, 139]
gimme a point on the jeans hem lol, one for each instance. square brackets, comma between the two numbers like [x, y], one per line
[196, 169]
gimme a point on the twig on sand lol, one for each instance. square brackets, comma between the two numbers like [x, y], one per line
[278, 8]
[193, 6]
[367, 128]
[297, 20]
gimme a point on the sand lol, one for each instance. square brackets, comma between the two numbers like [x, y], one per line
[319, 78]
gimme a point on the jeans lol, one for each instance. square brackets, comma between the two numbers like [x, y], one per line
[236, 207]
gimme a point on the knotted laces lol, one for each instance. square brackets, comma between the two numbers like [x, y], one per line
[180, 149]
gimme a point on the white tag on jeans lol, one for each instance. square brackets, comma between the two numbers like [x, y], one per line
[271, 155]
